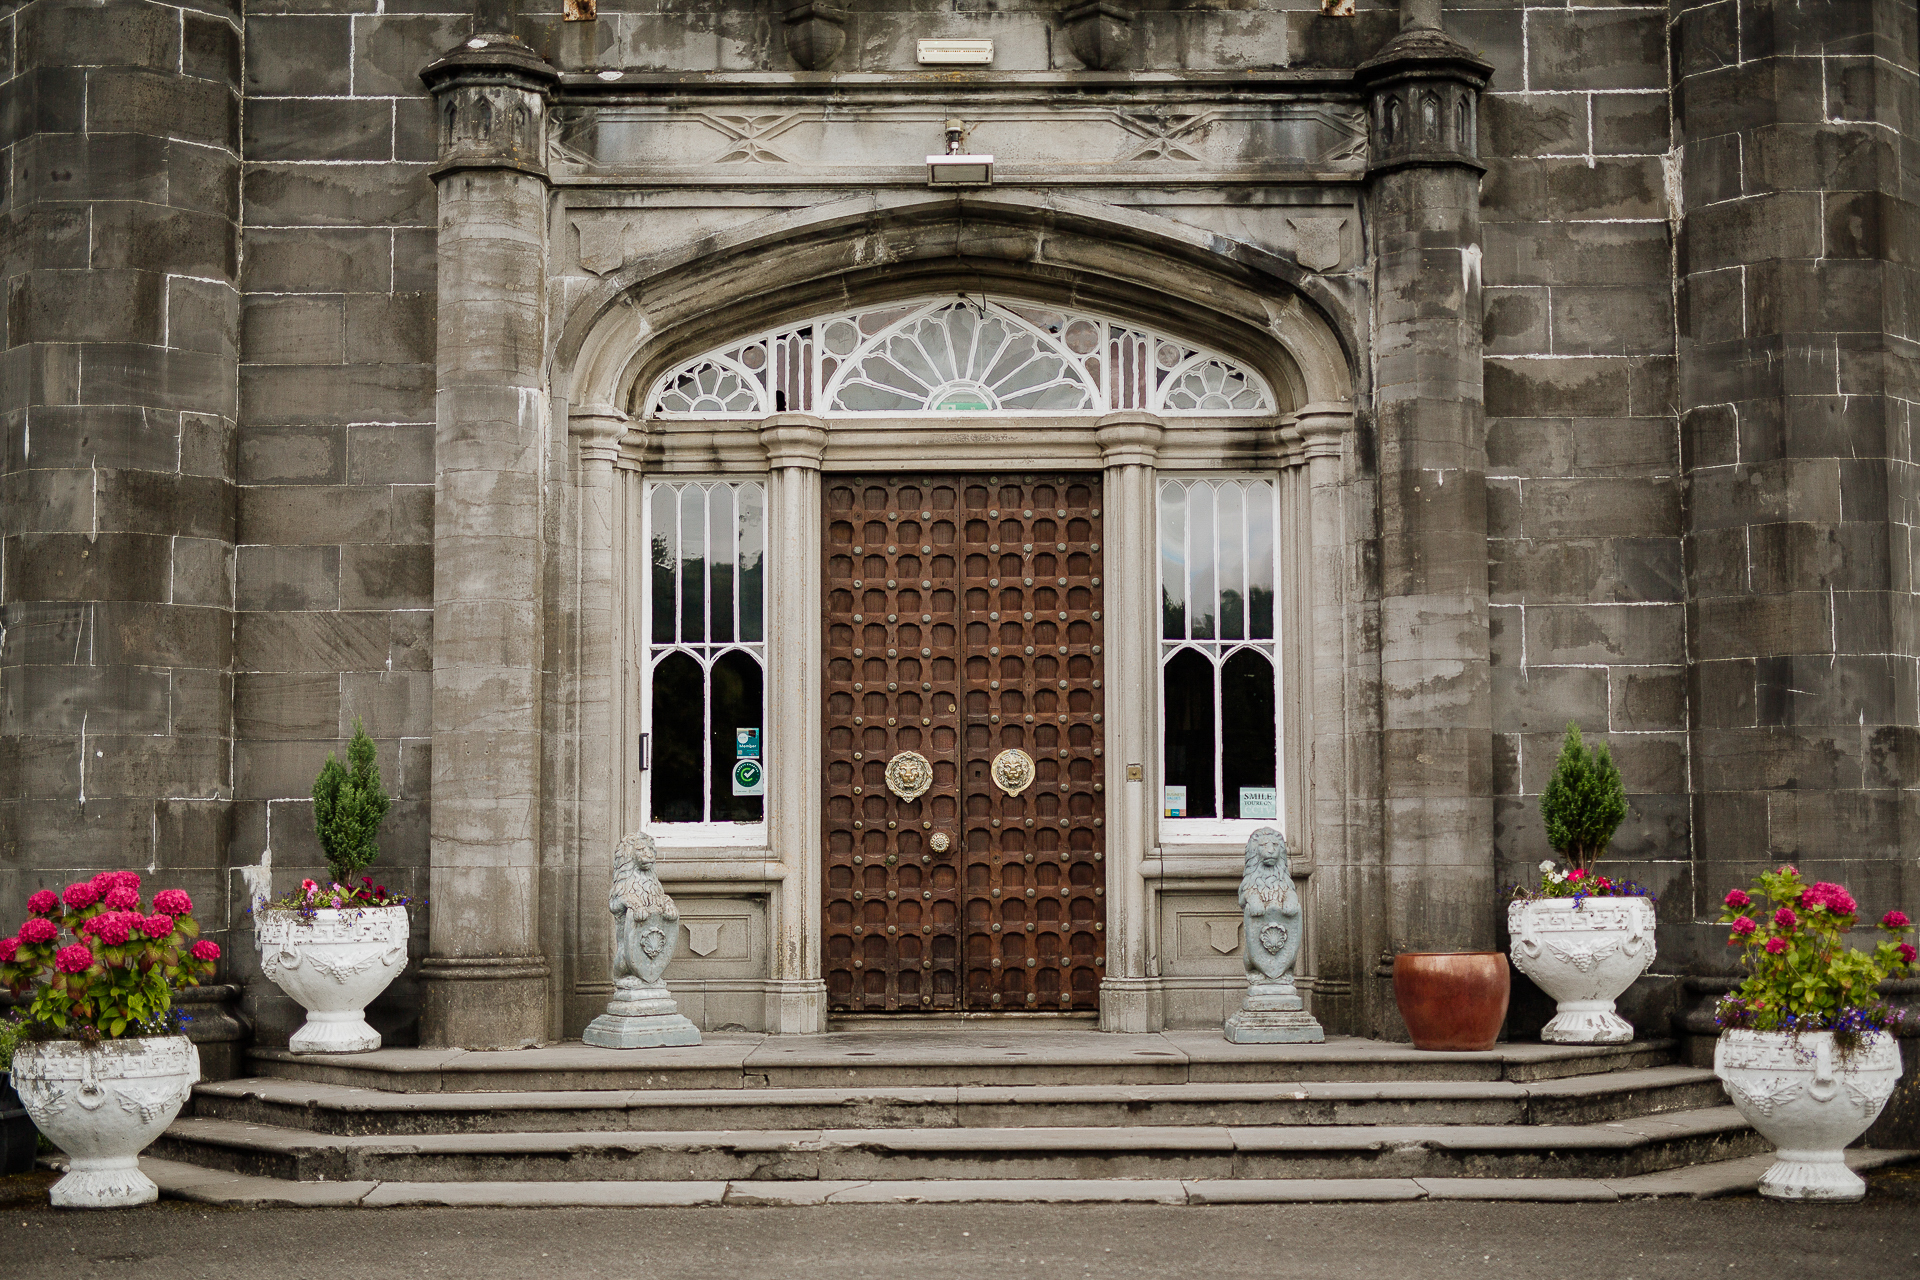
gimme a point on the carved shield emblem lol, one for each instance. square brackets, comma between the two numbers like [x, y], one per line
[1013, 771]
[1224, 936]
[703, 936]
[653, 942]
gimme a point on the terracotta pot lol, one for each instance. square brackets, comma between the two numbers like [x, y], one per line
[1452, 1000]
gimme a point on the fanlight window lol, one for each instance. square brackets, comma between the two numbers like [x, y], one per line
[959, 355]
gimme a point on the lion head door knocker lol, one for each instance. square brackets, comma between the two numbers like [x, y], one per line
[1013, 771]
[909, 775]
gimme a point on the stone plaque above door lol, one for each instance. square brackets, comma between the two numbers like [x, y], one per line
[963, 624]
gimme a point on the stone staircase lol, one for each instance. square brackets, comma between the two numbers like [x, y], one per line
[964, 1113]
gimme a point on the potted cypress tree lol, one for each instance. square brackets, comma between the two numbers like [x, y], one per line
[1582, 937]
[334, 947]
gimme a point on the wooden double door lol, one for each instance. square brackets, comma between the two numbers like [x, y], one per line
[964, 761]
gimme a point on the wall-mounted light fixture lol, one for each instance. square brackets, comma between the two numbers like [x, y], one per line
[955, 169]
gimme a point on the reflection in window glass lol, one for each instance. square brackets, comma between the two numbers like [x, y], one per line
[706, 610]
[1220, 719]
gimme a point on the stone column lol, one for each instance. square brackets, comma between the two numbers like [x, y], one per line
[119, 247]
[1342, 796]
[1798, 422]
[1129, 448]
[598, 753]
[485, 979]
[1436, 730]
[796, 992]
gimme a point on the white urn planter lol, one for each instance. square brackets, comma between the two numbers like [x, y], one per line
[1583, 956]
[102, 1104]
[1809, 1102]
[334, 966]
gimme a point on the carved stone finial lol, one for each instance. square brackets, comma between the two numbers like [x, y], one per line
[815, 34]
[1273, 1012]
[646, 933]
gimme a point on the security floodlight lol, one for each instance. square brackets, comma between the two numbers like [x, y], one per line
[954, 169]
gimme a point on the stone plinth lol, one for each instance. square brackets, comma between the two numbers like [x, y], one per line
[641, 1017]
[1273, 1013]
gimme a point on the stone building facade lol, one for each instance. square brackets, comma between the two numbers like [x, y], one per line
[449, 368]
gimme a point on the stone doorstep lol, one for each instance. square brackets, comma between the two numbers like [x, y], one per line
[301, 1105]
[1705, 1181]
[1331, 1151]
[928, 1058]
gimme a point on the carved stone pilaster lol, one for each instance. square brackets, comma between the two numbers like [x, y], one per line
[1425, 88]
[490, 99]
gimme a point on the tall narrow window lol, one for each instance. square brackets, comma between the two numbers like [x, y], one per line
[1219, 717]
[704, 616]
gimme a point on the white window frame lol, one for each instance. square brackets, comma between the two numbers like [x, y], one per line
[649, 654]
[1213, 831]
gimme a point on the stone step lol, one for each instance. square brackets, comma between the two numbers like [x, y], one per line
[1617, 1148]
[1702, 1181]
[941, 1059]
[341, 1109]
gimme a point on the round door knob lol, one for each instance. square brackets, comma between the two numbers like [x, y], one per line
[939, 842]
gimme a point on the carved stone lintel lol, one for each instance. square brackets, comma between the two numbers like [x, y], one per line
[815, 34]
[1099, 33]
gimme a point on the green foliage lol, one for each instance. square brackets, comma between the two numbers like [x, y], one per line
[10, 1030]
[348, 806]
[1584, 803]
[1801, 974]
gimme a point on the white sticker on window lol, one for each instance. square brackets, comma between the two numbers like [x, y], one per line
[1176, 802]
[1259, 802]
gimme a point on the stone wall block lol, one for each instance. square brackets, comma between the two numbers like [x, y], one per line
[299, 54]
[319, 129]
[274, 577]
[269, 705]
[301, 260]
[396, 453]
[372, 193]
[78, 566]
[313, 642]
[390, 328]
[295, 515]
[1541, 699]
[130, 100]
[392, 704]
[138, 632]
[203, 572]
[1609, 634]
[1520, 124]
[347, 393]
[75, 166]
[294, 329]
[1634, 320]
[1648, 699]
[86, 306]
[59, 700]
[390, 577]
[124, 373]
[85, 35]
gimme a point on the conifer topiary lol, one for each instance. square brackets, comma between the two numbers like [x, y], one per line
[348, 806]
[1584, 802]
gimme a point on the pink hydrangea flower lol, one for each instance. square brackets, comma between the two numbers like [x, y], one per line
[1785, 919]
[1833, 897]
[204, 950]
[39, 930]
[1744, 926]
[1894, 920]
[44, 903]
[1907, 952]
[9, 948]
[121, 898]
[112, 928]
[173, 902]
[1738, 898]
[1776, 945]
[73, 959]
[157, 926]
[82, 894]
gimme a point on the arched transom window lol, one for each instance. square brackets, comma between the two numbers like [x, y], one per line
[959, 355]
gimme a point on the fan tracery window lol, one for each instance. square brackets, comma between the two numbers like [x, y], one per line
[959, 355]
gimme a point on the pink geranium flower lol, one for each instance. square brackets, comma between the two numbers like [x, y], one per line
[1894, 920]
[1785, 919]
[82, 894]
[1907, 953]
[204, 950]
[157, 926]
[121, 898]
[9, 947]
[44, 903]
[1738, 898]
[73, 959]
[173, 902]
[1744, 926]
[1776, 945]
[39, 930]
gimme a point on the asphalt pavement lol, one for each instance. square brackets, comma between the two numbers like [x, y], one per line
[1630, 1240]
